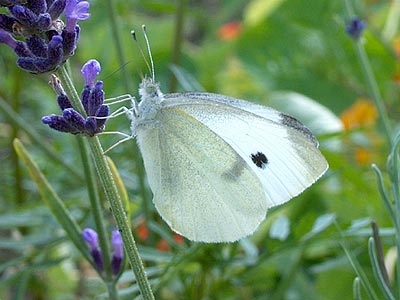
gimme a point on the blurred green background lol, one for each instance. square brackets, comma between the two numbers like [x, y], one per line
[293, 55]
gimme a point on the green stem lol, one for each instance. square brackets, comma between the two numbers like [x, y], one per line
[111, 194]
[374, 90]
[176, 52]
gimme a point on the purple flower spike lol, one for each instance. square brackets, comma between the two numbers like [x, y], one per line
[76, 10]
[118, 252]
[92, 98]
[91, 238]
[355, 27]
[90, 71]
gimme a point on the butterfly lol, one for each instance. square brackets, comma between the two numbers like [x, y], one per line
[216, 164]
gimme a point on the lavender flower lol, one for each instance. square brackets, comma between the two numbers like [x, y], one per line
[92, 98]
[91, 238]
[118, 252]
[355, 27]
[45, 42]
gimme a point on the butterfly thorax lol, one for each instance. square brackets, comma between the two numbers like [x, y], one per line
[150, 102]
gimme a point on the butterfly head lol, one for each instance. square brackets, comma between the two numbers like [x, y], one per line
[150, 89]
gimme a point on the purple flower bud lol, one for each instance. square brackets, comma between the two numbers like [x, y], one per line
[28, 64]
[355, 27]
[97, 258]
[37, 6]
[70, 39]
[103, 111]
[55, 52]
[37, 46]
[91, 126]
[63, 102]
[90, 71]
[6, 38]
[75, 10]
[91, 238]
[56, 8]
[7, 22]
[44, 22]
[21, 49]
[57, 122]
[74, 119]
[11, 2]
[85, 97]
[24, 15]
[118, 252]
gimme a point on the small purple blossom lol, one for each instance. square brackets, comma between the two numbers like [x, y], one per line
[76, 10]
[90, 71]
[92, 98]
[91, 238]
[118, 252]
[355, 27]
[44, 42]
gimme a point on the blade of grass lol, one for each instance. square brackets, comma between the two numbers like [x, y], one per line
[52, 200]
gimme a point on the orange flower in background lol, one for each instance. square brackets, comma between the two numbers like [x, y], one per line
[361, 113]
[142, 231]
[229, 31]
[396, 46]
[163, 246]
[179, 239]
[363, 156]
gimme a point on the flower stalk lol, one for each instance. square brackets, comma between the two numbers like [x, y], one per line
[111, 193]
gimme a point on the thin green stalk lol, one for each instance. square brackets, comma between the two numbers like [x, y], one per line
[356, 289]
[374, 90]
[112, 195]
[356, 266]
[118, 44]
[370, 79]
[394, 172]
[176, 52]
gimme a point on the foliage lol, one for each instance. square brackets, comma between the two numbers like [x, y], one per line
[293, 55]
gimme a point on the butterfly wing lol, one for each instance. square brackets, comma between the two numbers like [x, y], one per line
[202, 187]
[280, 150]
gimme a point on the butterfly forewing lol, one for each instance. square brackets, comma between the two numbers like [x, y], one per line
[279, 149]
[202, 187]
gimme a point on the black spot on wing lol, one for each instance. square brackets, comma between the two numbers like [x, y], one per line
[259, 159]
[297, 125]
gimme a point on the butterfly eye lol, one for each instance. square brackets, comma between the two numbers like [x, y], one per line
[259, 159]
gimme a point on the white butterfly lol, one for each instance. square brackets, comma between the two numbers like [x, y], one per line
[216, 164]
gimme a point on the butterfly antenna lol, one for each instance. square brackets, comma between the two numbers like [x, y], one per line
[133, 33]
[149, 51]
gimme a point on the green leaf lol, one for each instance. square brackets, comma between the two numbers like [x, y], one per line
[51, 199]
[259, 10]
